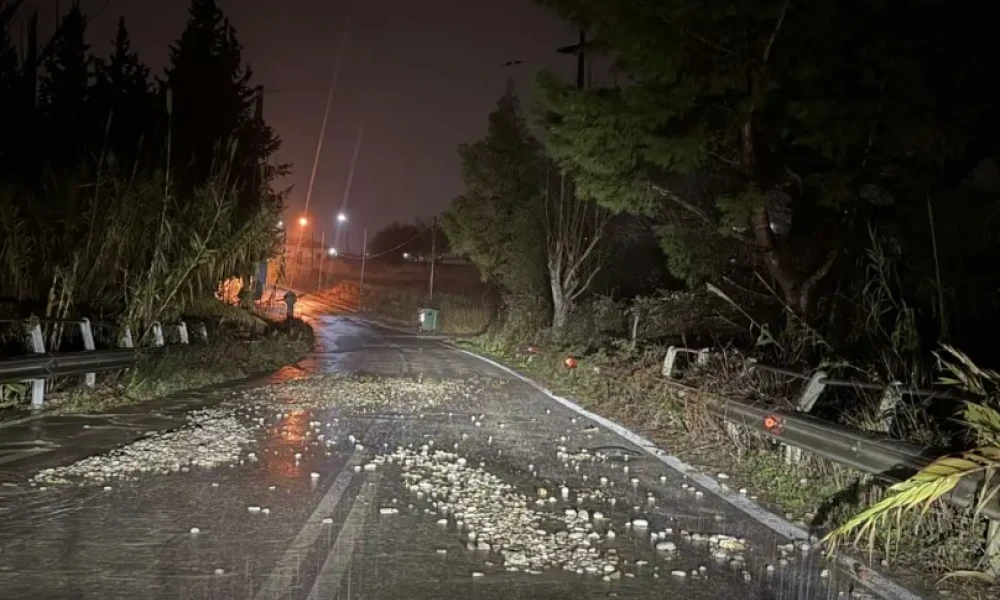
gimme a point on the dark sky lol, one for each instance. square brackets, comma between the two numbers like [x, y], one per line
[429, 71]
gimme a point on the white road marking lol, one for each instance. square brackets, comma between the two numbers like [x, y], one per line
[876, 582]
[277, 583]
[338, 561]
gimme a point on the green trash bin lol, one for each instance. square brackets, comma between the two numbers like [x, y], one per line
[428, 319]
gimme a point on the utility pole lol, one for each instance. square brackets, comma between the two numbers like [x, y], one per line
[580, 59]
[364, 257]
[580, 50]
[434, 229]
[322, 258]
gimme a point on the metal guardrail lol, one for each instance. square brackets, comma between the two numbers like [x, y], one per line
[873, 453]
[26, 368]
[40, 365]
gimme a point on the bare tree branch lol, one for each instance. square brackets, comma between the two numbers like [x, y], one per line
[697, 212]
[777, 28]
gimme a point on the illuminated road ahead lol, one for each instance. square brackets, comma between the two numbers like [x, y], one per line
[350, 532]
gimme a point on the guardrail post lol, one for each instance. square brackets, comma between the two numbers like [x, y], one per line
[668, 362]
[812, 391]
[887, 406]
[87, 333]
[810, 394]
[182, 331]
[993, 545]
[157, 334]
[36, 343]
[126, 339]
[203, 332]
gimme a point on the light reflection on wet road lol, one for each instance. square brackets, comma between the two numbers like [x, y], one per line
[326, 537]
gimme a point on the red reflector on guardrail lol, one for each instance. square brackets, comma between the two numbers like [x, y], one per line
[773, 424]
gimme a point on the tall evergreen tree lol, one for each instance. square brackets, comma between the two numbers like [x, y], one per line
[770, 129]
[498, 222]
[210, 91]
[65, 88]
[122, 98]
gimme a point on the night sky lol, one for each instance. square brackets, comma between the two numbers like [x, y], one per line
[429, 72]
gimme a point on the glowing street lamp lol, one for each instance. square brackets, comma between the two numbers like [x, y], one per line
[281, 224]
[332, 252]
[341, 218]
[303, 221]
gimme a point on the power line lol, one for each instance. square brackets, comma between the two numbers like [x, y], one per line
[390, 251]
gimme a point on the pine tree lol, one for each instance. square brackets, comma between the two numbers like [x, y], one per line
[498, 221]
[65, 89]
[763, 130]
[122, 98]
[210, 92]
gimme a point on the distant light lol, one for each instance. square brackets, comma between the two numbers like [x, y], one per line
[406, 255]
[303, 221]
[281, 224]
[332, 252]
[341, 218]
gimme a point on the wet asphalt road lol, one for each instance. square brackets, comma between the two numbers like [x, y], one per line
[134, 541]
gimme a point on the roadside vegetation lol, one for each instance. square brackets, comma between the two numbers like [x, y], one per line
[129, 198]
[812, 186]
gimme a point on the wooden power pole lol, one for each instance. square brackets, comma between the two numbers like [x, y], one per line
[434, 228]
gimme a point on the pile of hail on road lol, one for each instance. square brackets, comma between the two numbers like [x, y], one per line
[491, 516]
[375, 393]
[211, 437]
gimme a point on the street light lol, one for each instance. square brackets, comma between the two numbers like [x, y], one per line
[342, 218]
[303, 221]
[281, 224]
[332, 252]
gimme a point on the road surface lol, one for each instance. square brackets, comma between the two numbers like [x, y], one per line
[315, 505]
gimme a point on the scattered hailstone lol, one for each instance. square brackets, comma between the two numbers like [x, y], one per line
[195, 531]
[327, 520]
[220, 571]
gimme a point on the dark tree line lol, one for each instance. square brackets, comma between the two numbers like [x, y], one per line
[840, 153]
[122, 190]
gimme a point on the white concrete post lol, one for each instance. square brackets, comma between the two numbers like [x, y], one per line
[993, 546]
[126, 339]
[703, 356]
[887, 405]
[812, 392]
[182, 331]
[36, 343]
[805, 404]
[87, 333]
[157, 334]
[203, 332]
[668, 362]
